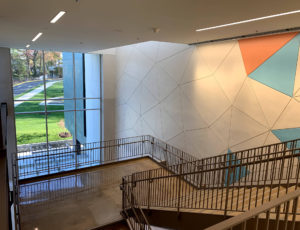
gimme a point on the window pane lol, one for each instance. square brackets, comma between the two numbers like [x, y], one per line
[27, 71]
[30, 106]
[68, 77]
[58, 133]
[31, 129]
[82, 104]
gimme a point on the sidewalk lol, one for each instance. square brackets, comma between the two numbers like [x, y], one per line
[34, 92]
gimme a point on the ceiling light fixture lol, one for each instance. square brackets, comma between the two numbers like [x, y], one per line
[57, 17]
[249, 20]
[37, 37]
[27, 46]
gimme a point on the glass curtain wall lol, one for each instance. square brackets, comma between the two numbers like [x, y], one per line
[56, 100]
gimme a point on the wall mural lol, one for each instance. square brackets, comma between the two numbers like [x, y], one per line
[210, 98]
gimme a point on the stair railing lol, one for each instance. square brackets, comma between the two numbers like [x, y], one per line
[280, 213]
[232, 182]
[131, 211]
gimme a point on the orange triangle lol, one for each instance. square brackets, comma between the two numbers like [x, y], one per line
[256, 51]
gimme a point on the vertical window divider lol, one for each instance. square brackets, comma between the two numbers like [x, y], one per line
[101, 109]
[46, 112]
[75, 107]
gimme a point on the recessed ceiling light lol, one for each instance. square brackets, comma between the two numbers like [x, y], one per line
[249, 20]
[37, 37]
[58, 16]
[27, 46]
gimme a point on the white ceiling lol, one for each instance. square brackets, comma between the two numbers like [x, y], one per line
[91, 25]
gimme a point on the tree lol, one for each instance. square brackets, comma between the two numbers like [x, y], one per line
[18, 64]
[29, 63]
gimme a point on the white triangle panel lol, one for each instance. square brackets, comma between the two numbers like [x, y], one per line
[252, 143]
[170, 127]
[247, 102]
[175, 65]
[138, 65]
[289, 118]
[125, 88]
[148, 100]
[166, 84]
[215, 53]
[123, 55]
[191, 117]
[197, 68]
[135, 100]
[126, 117]
[271, 139]
[150, 49]
[153, 120]
[207, 96]
[151, 81]
[172, 106]
[221, 127]
[147, 130]
[231, 73]
[126, 133]
[204, 143]
[138, 127]
[243, 127]
[167, 49]
[159, 83]
[178, 141]
[271, 101]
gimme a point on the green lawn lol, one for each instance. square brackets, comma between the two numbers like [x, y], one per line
[31, 128]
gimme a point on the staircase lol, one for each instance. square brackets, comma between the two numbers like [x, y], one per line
[249, 189]
[229, 185]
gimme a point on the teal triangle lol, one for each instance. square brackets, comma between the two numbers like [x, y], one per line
[288, 135]
[238, 172]
[278, 72]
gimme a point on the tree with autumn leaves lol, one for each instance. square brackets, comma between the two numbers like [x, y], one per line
[28, 64]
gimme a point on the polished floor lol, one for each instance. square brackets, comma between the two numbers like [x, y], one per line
[80, 201]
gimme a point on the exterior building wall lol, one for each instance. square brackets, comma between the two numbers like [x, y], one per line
[92, 88]
[87, 85]
[68, 80]
[207, 99]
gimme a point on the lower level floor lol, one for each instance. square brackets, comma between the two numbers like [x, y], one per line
[78, 201]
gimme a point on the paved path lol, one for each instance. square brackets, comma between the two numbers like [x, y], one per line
[34, 92]
[18, 89]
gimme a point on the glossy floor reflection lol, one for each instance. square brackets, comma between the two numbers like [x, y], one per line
[79, 201]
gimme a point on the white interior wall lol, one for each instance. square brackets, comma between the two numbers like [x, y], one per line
[198, 98]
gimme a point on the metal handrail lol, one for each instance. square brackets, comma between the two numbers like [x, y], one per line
[212, 183]
[265, 208]
[133, 207]
[194, 182]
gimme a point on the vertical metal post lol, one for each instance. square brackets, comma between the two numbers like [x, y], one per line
[152, 147]
[101, 108]
[46, 111]
[179, 188]
[149, 184]
[75, 111]
[227, 183]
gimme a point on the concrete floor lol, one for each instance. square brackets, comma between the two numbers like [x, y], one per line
[80, 201]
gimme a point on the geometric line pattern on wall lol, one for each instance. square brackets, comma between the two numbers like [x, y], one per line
[201, 98]
[256, 51]
[238, 173]
[287, 135]
[278, 72]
